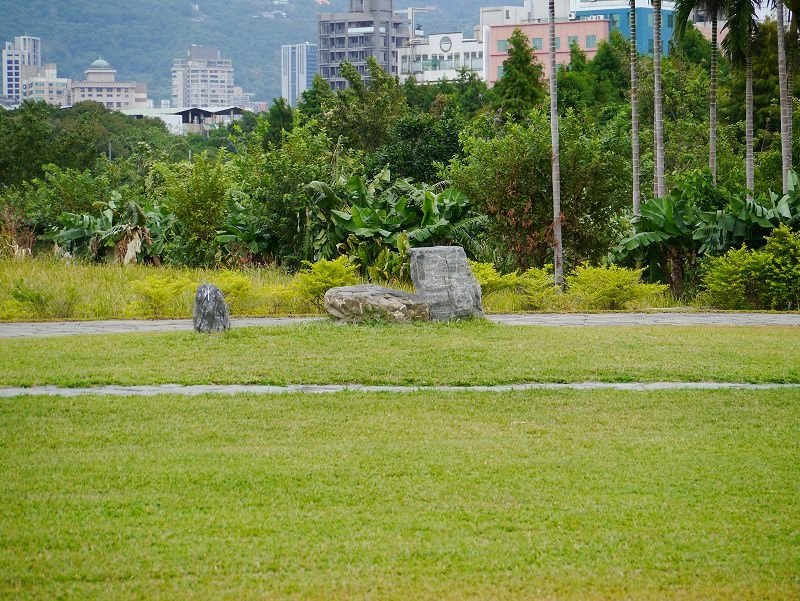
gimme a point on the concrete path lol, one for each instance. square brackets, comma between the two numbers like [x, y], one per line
[195, 390]
[68, 328]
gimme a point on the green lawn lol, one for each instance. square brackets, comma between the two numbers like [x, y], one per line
[536, 495]
[428, 354]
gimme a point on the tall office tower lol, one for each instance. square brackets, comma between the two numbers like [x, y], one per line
[21, 59]
[298, 67]
[202, 79]
[371, 28]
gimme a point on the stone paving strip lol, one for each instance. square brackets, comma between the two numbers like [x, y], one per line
[70, 328]
[229, 389]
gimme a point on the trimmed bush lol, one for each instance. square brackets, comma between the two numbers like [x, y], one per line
[315, 279]
[609, 288]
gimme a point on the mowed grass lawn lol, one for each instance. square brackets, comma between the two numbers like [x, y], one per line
[535, 495]
[429, 354]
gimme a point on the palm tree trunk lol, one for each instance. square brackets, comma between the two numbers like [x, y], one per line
[712, 125]
[658, 183]
[786, 142]
[635, 114]
[558, 251]
[748, 127]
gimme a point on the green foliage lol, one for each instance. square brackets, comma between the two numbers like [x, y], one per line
[38, 134]
[41, 301]
[419, 143]
[507, 172]
[756, 279]
[363, 113]
[315, 279]
[731, 281]
[279, 119]
[520, 88]
[161, 295]
[674, 230]
[63, 191]
[280, 218]
[198, 201]
[609, 288]
[392, 216]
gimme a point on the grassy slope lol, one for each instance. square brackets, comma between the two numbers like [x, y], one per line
[514, 496]
[470, 353]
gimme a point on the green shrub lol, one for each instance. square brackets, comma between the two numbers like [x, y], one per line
[734, 281]
[491, 280]
[312, 282]
[538, 287]
[756, 279]
[608, 288]
[782, 271]
[161, 296]
[236, 287]
[41, 301]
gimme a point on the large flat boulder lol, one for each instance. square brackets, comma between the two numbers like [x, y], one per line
[444, 280]
[366, 301]
[210, 312]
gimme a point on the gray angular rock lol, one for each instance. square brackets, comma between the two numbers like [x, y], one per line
[210, 312]
[444, 280]
[366, 301]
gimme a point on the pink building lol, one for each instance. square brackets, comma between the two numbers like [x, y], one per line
[587, 34]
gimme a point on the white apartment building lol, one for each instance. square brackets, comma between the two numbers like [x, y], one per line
[101, 86]
[21, 58]
[203, 79]
[440, 56]
[45, 85]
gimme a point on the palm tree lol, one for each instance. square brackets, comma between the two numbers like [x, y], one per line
[658, 181]
[637, 196]
[558, 250]
[683, 10]
[742, 27]
[786, 141]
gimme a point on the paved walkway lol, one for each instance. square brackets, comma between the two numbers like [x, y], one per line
[68, 328]
[195, 390]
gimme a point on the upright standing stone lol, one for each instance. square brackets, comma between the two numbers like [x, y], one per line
[443, 279]
[210, 310]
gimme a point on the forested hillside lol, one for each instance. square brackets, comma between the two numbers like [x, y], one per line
[141, 38]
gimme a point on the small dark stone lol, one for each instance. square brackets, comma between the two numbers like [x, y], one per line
[210, 310]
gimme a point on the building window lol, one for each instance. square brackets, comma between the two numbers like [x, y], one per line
[650, 19]
[650, 46]
[558, 43]
[670, 20]
[502, 45]
[536, 43]
[615, 19]
[591, 41]
[500, 71]
[573, 39]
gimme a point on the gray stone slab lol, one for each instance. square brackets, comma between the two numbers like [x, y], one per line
[123, 326]
[193, 390]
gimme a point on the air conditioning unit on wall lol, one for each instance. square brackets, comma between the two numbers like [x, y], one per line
[572, 16]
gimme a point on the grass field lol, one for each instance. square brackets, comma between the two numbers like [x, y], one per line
[538, 495]
[429, 354]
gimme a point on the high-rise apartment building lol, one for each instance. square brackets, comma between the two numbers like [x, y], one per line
[298, 67]
[202, 79]
[371, 28]
[21, 58]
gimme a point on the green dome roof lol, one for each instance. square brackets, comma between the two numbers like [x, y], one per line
[100, 64]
